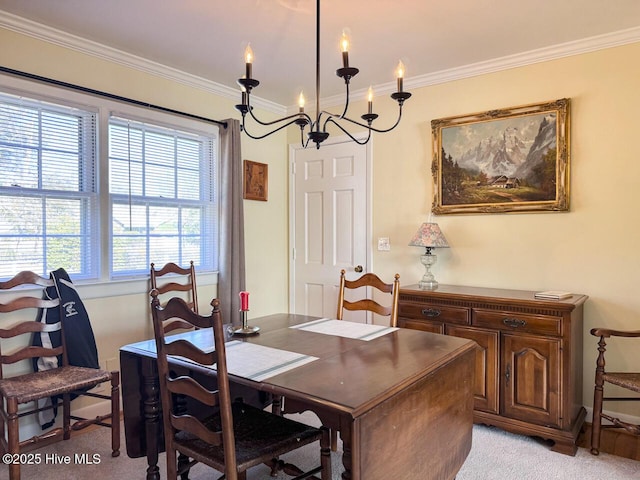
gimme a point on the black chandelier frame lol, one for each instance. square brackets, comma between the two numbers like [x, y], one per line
[317, 128]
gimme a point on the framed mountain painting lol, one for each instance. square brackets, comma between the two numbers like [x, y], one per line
[508, 160]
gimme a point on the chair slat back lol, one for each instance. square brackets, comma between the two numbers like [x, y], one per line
[181, 280]
[21, 349]
[369, 280]
[174, 417]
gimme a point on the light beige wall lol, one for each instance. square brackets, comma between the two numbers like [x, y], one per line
[592, 249]
[125, 319]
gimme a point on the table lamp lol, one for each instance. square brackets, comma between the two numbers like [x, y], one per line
[429, 236]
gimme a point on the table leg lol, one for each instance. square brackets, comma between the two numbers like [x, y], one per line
[151, 417]
[332, 421]
[345, 435]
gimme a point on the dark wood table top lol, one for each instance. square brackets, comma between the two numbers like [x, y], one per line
[350, 376]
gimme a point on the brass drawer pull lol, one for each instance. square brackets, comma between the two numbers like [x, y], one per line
[431, 312]
[514, 322]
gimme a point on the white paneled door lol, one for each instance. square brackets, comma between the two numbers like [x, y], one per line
[329, 224]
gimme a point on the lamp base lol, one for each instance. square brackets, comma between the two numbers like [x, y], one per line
[428, 281]
[428, 285]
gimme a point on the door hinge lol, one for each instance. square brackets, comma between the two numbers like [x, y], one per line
[293, 253]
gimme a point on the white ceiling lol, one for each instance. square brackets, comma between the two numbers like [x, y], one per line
[206, 38]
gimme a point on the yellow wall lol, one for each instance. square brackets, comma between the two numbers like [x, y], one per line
[593, 249]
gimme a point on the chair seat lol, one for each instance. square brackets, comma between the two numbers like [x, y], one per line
[630, 381]
[33, 386]
[259, 435]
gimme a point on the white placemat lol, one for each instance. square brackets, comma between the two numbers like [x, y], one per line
[246, 360]
[257, 362]
[251, 361]
[343, 328]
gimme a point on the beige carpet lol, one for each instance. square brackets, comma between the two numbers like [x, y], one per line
[494, 455]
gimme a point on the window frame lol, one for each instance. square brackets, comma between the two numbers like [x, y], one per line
[87, 190]
[104, 285]
[156, 202]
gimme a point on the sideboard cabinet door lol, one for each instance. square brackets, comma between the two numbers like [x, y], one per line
[486, 387]
[531, 379]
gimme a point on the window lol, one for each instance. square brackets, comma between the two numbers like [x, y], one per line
[103, 194]
[163, 203]
[48, 197]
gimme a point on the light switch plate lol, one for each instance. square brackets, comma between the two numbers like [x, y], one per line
[383, 244]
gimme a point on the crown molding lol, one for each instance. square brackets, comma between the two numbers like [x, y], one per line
[63, 39]
[577, 47]
[58, 37]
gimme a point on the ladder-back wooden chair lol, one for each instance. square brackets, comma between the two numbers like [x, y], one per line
[235, 437]
[179, 279]
[19, 391]
[370, 280]
[367, 304]
[627, 380]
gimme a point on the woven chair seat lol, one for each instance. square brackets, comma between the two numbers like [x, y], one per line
[33, 386]
[259, 435]
[629, 381]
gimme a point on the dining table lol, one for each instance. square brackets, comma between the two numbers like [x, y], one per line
[401, 399]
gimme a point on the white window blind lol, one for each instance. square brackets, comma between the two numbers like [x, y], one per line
[162, 195]
[48, 194]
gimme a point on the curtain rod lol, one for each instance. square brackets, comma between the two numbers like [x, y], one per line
[107, 95]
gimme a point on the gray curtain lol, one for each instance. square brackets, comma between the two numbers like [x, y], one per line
[231, 277]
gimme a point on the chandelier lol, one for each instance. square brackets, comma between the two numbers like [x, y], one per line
[317, 128]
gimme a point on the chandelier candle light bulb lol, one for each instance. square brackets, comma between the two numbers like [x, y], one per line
[400, 74]
[248, 59]
[301, 103]
[344, 46]
[370, 99]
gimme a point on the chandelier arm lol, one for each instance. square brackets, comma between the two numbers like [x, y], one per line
[363, 142]
[346, 102]
[260, 137]
[302, 142]
[385, 130]
[364, 125]
[295, 116]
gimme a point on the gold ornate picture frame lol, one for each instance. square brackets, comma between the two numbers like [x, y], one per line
[256, 181]
[508, 160]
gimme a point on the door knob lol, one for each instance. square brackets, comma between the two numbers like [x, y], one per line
[358, 269]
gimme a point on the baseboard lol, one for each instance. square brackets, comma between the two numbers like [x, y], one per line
[622, 416]
[612, 441]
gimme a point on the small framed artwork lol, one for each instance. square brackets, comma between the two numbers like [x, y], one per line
[256, 176]
[508, 160]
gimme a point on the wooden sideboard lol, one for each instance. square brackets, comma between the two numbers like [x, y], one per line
[528, 359]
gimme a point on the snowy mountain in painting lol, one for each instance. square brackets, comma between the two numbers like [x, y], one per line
[512, 152]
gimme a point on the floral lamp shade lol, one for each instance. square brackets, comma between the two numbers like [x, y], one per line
[430, 236]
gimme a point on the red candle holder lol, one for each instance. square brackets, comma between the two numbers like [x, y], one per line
[245, 329]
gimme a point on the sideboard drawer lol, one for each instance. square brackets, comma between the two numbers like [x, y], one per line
[510, 321]
[436, 313]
